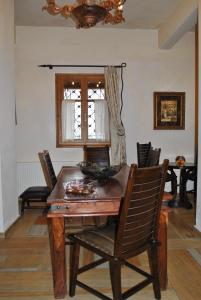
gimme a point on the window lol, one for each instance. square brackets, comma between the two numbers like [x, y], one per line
[81, 110]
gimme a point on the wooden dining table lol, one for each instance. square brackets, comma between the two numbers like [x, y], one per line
[103, 201]
[184, 170]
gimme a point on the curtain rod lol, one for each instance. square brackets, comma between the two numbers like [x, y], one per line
[123, 65]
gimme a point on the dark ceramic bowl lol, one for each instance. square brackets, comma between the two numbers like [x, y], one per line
[98, 172]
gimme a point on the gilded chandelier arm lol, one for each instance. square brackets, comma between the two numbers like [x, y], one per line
[116, 16]
[112, 4]
[114, 19]
[54, 9]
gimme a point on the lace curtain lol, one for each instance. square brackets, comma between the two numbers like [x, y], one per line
[68, 119]
[101, 121]
[118, 141]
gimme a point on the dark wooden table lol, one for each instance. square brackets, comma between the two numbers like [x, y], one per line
[104, 201]
[182, 200]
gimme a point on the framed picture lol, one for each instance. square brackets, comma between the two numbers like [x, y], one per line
[169, 110]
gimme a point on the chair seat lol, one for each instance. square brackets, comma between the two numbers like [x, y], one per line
[35, 192]
[76, 225]
[102, 239]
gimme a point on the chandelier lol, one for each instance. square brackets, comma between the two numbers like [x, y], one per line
[87, 13]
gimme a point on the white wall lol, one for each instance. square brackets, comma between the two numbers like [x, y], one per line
[8, 198]
[198, 213]
[148, 69]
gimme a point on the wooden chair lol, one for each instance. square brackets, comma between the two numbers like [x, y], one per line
[153, 157]
[48, 169]
[99, 155]
[147, 157]
[33, 195]
[142, 154]
[73, 225]
[136, 232]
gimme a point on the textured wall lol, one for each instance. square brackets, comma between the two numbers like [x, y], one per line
[8, 198]
[148, 69]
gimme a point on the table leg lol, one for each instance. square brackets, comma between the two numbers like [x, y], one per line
[162, 249]
[184, 202]
[173, 178]
[183, 199]
[57, 249]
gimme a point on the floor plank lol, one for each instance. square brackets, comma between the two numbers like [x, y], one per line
[25, 268]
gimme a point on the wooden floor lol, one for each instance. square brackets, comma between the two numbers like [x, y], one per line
[25, 269]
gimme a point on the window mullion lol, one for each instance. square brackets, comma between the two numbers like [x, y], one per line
[84, 87]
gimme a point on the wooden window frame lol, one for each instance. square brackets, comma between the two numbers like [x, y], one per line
[60, 79]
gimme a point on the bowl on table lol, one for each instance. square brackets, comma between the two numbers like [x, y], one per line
[98, 172]
[78, 187]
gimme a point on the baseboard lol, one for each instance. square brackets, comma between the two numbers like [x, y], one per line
[4, 234]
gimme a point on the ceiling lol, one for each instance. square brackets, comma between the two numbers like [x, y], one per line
[139, 14]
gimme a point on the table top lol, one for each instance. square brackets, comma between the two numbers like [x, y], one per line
[187, 165]
[103, 202]
[111, 189]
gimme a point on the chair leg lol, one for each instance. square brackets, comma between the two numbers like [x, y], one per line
[115, 276]
[174, 187]
[74, 264]
[153, 263]
[100, 221]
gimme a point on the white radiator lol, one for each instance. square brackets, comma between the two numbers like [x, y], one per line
[31, 174]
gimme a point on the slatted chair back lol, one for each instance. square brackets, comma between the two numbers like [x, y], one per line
[48, 169]
[139, 214]
[142, 154]
[153, 157]
[99, 155]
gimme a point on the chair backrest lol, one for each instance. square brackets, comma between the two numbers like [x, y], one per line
[142, 154]
[140, 210]
[153, 157]
[99, 155]
[47, 168]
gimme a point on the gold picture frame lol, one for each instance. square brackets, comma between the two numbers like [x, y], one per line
[169, 110]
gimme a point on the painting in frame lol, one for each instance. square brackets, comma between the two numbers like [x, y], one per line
[169, 110]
